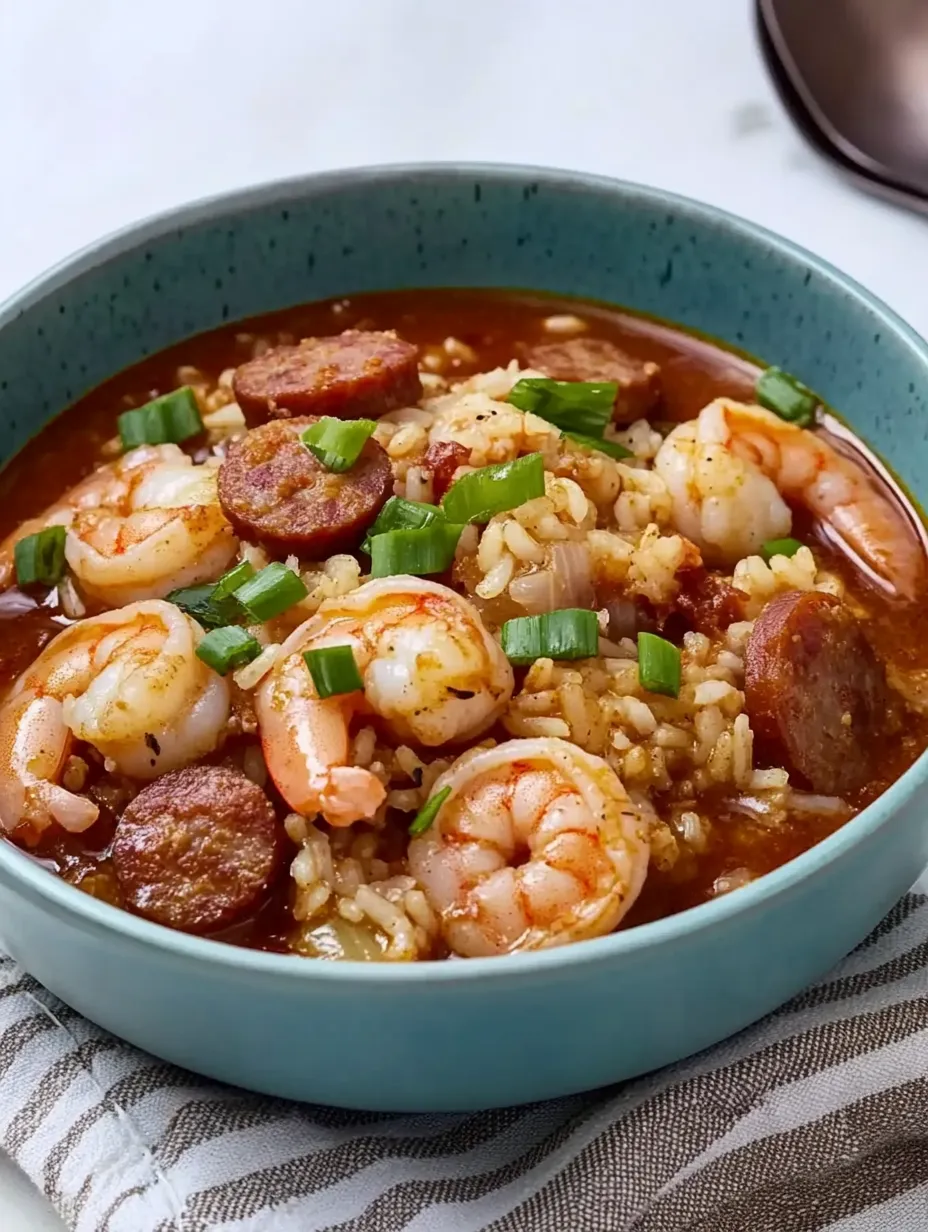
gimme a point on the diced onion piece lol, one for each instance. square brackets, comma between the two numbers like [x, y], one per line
[228, 648]
[400, 514]
[271, 592]
[170, 419]
[334, 670]
[430, 549]
[574, 406]
[611, 448]
[565, 581]
[39, 558]
[573, 575]
[476, 497]
[536, 592]
[571, 633]
[779, 547]
[659, 665]
[429, 811]
[337, 443]
[786, 396]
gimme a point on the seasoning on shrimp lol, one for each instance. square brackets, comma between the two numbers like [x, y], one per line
[138, 528]
[536, 844]
[431, 672]
[732, 470]
[129, 684]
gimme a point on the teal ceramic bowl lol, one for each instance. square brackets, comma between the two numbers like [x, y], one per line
[462, 1035]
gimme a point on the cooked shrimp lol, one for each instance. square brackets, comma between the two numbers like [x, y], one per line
[129, 684]
[139, 527]
[537, 845]
[430, 669]
[732, 469]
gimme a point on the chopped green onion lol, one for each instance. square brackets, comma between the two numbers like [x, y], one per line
[779, 547]
[494, 489]
[577, 406]
[337, 443]
[243, 572]
[612, 448]
[400, 514]
[430, 549]
[215, 604]
[334, 670]
[201, 603]
[39, 558]
[227, 648]
[572, 633]
[429, 811]
[785, 396]
[658, 665]
[271, 592]
[172, 418]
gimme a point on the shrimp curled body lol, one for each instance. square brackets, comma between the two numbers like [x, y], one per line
[126, 682]
[537, 845]
[430, 671]
[731, 471]
[139, 527]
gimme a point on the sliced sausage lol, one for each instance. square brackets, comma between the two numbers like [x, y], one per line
[355, 375]
[197, 849]
[273, 490]
[815, 691]
[595, 359]
[443, 458]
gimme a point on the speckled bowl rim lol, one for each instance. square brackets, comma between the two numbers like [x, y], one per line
[81, 909]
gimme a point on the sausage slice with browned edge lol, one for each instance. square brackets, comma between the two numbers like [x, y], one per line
[274, 490]
[360, 374]
[597, 359]
[815, 691]
[197, 849]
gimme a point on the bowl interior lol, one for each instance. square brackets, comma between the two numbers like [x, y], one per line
[337, 234]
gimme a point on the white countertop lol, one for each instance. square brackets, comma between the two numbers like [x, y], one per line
[112, 112]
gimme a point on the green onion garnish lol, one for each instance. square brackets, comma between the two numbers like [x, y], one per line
[429, 811]
[172, 418]
[572, 633]
[227, 648]
[577, 406]
[243, 572]
[612, 448]
[334, 670]
[658, 665]
[201, 603]
[399, 514]
[779, 547]
[271, 592]
[39, 558]
[494, 489]
[785, 396]
[337, 443]
[417, 552]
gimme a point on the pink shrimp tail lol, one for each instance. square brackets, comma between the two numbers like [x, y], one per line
[348, 794]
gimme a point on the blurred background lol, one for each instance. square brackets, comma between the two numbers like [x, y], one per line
[115, 109]
[112, 110]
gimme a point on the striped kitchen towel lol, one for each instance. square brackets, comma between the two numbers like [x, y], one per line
[815, 1118]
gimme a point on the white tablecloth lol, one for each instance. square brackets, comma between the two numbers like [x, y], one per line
[112, 111]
